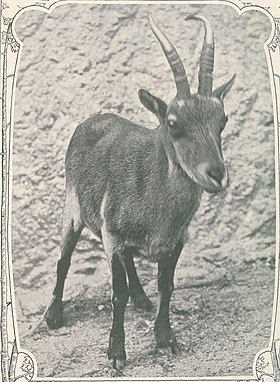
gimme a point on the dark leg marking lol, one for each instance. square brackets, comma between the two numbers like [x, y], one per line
[71, 231]
[116, 351]
[136, 291]
[163, 332]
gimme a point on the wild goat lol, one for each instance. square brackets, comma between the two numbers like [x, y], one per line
[137, 189]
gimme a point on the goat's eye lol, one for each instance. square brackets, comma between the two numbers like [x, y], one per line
[175, 130]
[171, 123]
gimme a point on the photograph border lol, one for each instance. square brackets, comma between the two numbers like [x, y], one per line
[19, 364]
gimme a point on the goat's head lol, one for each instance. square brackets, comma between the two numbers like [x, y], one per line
[192, 124]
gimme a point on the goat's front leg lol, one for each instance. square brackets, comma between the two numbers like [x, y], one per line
[163, 332]
[116, 351]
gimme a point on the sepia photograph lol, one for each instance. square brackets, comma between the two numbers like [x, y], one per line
[143, 190]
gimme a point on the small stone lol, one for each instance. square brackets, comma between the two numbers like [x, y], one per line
[87, 66]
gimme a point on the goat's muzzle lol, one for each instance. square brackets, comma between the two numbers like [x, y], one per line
[213, 178]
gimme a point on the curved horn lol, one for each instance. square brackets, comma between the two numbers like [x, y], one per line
[180, 76]
[205, 75]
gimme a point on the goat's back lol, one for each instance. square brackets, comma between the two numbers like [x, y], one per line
[107, 151]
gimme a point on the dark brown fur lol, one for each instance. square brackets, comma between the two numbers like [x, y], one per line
[129, 163]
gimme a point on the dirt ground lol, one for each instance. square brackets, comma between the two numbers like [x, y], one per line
[220, 323]
[85, 59]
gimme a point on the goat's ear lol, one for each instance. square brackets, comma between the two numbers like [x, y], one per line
[152, 103]
[223, 90]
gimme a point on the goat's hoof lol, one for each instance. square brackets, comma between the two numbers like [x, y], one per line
[116, 356]
[142, 302]
[167, 340]
[54, 315]
[117, 364]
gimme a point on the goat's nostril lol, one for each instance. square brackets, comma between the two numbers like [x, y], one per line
[215, 174]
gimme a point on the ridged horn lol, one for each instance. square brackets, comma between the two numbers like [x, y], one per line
[180, 76]
[205, 75]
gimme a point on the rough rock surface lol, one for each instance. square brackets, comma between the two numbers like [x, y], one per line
[84, 59]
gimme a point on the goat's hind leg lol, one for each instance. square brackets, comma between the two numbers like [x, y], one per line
[71, 229]
[136, 291]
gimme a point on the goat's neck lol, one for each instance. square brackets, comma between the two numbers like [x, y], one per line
[165, 147]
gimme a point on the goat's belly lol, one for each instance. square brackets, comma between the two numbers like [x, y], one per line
[155, 249]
